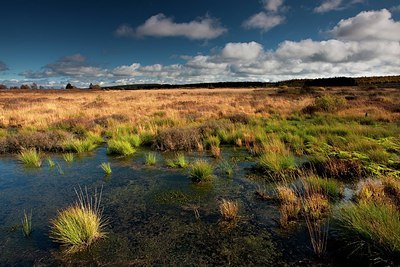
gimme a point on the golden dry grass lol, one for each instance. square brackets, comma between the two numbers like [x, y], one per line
[40, 108]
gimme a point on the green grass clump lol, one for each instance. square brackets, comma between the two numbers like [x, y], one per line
[150, 159]
[30, 158]
[369, 226]
[69, 157]
[120, 147]
[328, 187]
[79, 225]
[133, 139]
[27, 224]
[276, 163]
[106, 166]
[226, 168]
[211, 141]
[79, 146]
[178, 162]
[201, 171]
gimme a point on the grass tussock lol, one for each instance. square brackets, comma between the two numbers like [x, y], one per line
[150, 159]
[30, 158]
[201, 171]
[274, 163]
[79, 146]
[229, 209]
[79, 225]
[178, 162]
[119, 147]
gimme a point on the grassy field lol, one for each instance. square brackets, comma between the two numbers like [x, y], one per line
[310, 143]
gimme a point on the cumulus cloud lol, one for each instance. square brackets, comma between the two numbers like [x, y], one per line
[162, 26]
[267, 19]
[3, 66]
[242, 51]
[368, 25]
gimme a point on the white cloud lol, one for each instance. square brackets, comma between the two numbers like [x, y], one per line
[272, 5]
[242, 51]
[368, 25]
[268, 19]
[162, 26]
[328, 5]
[263, 21]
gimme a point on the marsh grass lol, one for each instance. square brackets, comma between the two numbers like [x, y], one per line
[229, 209]
[328, 187]
[290, 205]
[371, 190]
[369, 228]
[50, 161]
[201, 171]
[211, 141]
[276, 163]
[106, 167]
[226, 168]
[215, 151]
[69, 157]
[120, 147]
[79, 146]
[27, 224]
[30, 158]
[80, 225]
[150, 159]
[179, 161]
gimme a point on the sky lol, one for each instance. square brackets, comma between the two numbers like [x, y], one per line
[52, 43]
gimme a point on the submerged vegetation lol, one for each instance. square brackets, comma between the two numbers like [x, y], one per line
[305, 149]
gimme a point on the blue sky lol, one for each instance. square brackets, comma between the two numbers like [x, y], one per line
[121, 42]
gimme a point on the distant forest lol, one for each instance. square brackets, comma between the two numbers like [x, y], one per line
[387, 81]
[384, 81]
